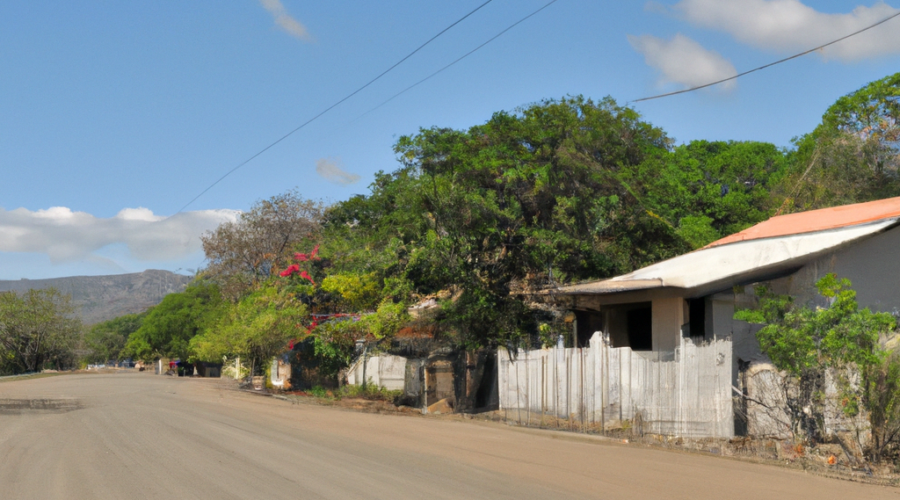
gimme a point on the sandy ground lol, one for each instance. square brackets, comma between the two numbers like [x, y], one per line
[143, 436]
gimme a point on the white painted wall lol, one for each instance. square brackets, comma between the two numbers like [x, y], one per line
[382, 370]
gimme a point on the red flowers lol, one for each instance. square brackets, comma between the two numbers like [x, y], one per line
[295, 269]
[292, 269]
[302, 257]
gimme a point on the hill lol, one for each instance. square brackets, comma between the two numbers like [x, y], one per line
[99, 298]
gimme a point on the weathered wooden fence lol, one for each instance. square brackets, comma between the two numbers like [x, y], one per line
[685, 392]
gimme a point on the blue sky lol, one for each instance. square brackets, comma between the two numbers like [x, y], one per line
[113, 115]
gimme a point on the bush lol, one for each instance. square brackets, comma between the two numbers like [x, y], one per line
[319, 392]
[370, 392]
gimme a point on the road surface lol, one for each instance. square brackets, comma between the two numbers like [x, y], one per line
[133, 436]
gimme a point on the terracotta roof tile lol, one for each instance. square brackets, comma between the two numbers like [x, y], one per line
[817, 220]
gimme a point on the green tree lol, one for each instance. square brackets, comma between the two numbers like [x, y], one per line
[525, 200]
[256, 328]
[37, 328]
[711, 189]
[107, 340]
[169, 326]
[853, 155]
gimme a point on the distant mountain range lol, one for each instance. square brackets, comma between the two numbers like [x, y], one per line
[99, 298]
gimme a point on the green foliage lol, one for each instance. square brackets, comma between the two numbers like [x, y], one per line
[371, 392]
[333, 345]
[549, 332]
[805, 342]
[853, 155]
[107, 340]
[359, 291]
[505, 204]
[168, 327]
[386, 321]
[561, 190]
[37, 328]
[697, 230]
[772, 307]
[318, 392]
[712, 189]
[882, 395]
[838, 336]
[256, 328]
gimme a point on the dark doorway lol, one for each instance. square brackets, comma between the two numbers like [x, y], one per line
[640, 328]
[588, 322]
[697, 315]
[486, 397]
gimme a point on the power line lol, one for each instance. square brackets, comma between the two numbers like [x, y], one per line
[467, 54]
[770, 64]
[314, 118]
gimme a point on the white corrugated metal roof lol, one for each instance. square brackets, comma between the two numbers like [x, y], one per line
[720, 264]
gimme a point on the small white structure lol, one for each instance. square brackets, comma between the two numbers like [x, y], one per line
[280, 373]
[381, 371]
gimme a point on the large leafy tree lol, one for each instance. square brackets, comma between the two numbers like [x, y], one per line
[256, 328]
[37, 327]
[711, 189]
[106, 340]
[524, 200]
[167, 329]
[854, 153]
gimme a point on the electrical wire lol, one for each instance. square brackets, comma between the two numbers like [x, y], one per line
[770, 64]
[467, 54]
[329, 108]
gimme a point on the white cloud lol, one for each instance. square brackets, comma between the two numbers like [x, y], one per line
[683, 61]
[64, 235]
[791, 26]
[284, 20]
[331, 170]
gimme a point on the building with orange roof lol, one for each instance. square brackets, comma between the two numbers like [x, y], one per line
[666, 347]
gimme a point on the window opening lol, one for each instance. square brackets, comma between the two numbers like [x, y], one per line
[697, 316]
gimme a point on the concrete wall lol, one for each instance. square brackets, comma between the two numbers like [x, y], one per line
[382, 370]
[871, 265]
[668, 316]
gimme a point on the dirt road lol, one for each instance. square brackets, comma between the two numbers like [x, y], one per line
[143, 436]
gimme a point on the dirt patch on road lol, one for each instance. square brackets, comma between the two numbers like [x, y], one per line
[20, 406]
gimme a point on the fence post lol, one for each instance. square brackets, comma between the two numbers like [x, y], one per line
[543, 387]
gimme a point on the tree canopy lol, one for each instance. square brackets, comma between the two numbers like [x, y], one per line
[249, 250]
[37, 327]
[168, 327]
[854, 153]
[106, 340]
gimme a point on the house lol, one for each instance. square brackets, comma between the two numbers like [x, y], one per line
[659, 346]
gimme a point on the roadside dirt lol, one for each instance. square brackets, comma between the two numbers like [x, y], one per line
[771, 452]
[145, 436]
